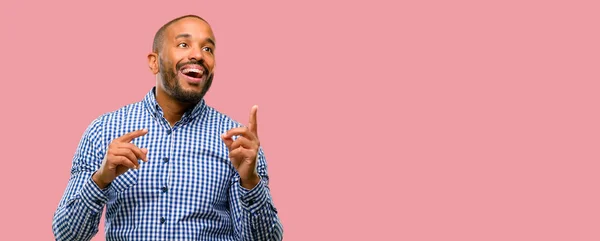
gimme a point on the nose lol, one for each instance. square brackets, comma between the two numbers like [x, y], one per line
[195, 54]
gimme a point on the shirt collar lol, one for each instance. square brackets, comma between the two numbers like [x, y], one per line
[154, 109]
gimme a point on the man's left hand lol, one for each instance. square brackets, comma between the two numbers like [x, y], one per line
[243, 152]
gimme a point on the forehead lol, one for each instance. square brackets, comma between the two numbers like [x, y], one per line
[192, 26]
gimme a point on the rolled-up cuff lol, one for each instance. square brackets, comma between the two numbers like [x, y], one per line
[255, 198]
[93, 197]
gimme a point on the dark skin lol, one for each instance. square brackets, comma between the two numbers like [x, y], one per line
[188, 43]
[187, 40]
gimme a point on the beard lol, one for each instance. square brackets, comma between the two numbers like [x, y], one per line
[173, 88]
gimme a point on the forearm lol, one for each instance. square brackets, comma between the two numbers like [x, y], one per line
[78, 216]
[259, 219]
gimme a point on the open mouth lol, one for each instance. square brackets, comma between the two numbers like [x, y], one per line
[193, 72]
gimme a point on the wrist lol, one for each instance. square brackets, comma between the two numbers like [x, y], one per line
[96, 178]
[250, 182]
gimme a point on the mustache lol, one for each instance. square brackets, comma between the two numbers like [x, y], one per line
[201, 63]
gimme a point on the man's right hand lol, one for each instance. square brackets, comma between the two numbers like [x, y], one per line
[121, 156]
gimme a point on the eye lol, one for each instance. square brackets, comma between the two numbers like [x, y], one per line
[182, 45]
[207, 49]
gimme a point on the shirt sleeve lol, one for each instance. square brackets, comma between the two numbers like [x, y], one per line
[254, 214]
[80, 208]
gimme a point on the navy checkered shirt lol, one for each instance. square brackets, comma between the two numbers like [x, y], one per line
[188, 189]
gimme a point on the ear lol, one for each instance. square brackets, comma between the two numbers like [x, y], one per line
[153, 62]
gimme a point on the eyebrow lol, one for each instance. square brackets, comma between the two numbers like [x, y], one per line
[187, 35]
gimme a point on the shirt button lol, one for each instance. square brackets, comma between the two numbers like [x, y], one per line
[164, 189]
[166, 159]
[162, 220]
[168, 132]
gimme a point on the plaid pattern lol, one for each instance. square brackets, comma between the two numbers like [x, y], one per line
[188, 189]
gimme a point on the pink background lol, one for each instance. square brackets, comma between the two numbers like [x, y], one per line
[414, 120]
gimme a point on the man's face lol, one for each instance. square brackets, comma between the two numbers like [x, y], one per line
[187, 60]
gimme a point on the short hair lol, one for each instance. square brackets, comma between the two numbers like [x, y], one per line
[159, 37]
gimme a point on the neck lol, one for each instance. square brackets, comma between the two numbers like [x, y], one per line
[173, 109]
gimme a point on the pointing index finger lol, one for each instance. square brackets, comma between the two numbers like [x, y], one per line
[132, 135]
[252, 123]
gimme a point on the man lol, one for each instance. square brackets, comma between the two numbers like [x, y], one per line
[170, 167]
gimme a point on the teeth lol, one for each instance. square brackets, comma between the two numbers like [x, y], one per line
[185, 71]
